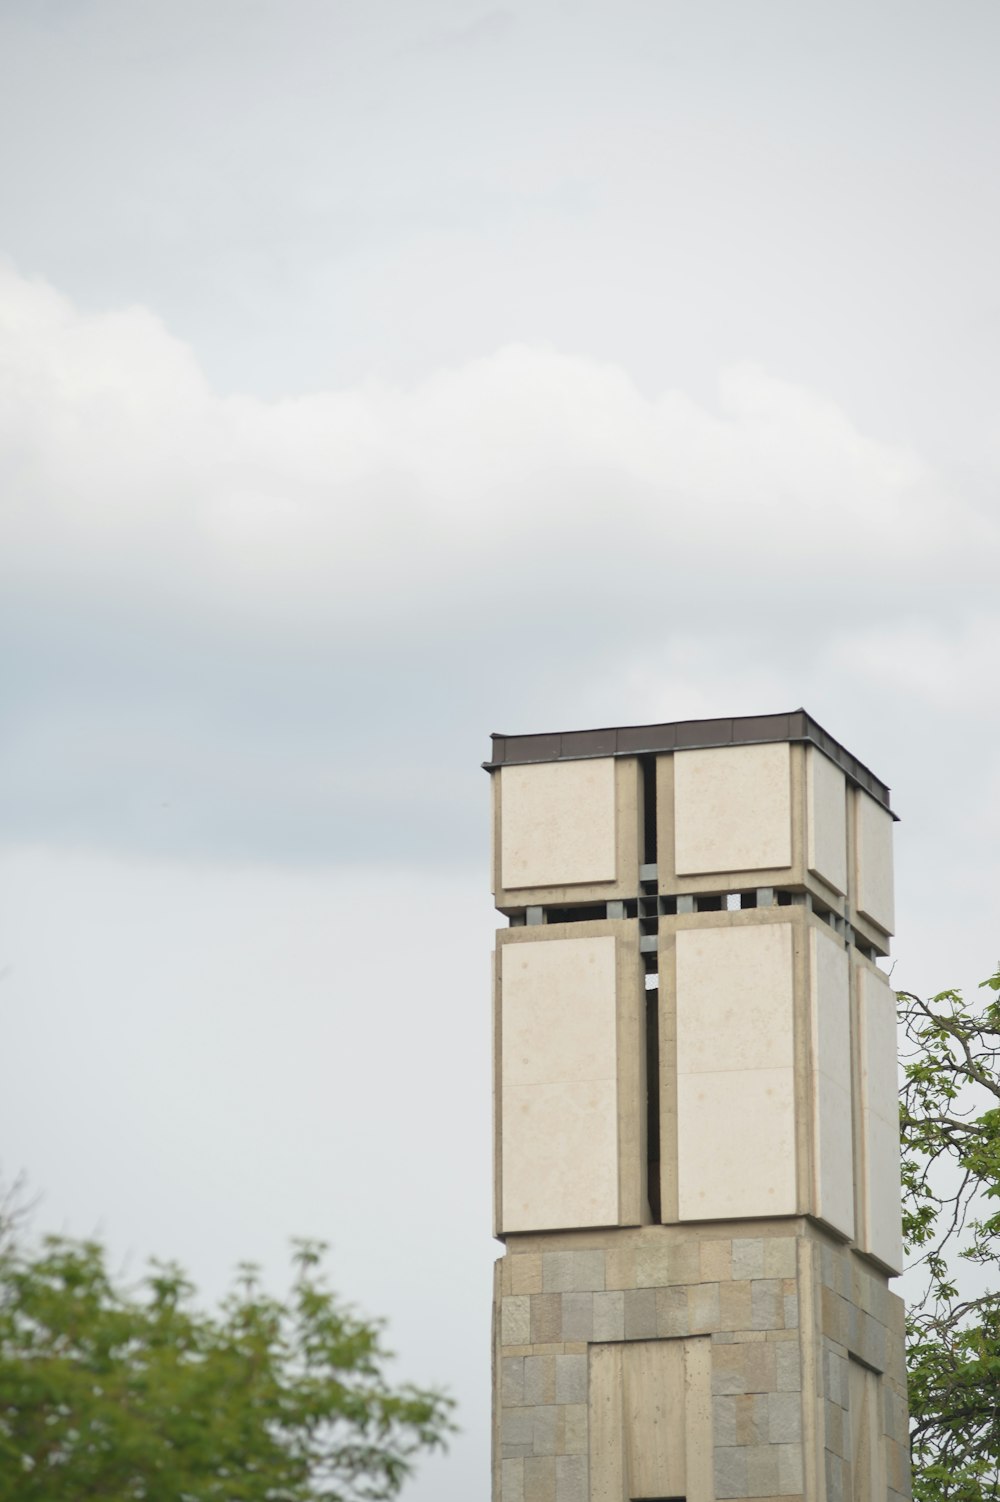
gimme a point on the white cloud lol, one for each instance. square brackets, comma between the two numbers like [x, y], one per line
[226, 608]
[122, 467]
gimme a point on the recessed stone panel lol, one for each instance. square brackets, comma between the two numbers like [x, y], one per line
[873, 847]
[557, 823]
[732, 809]
[826, 820]
[650, 1420]
[867, 1443]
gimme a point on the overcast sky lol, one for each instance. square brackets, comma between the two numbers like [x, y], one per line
[375, 374]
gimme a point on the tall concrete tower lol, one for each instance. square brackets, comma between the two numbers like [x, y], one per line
[696, 1145]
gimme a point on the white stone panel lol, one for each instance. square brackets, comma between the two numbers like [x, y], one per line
[736, 1144]
[558, 1010]
[559, 1084]
[873, 843]
[883, 1222]
[831, 1004]
[830, 1078]
[734, 998]
[557, 823]
[735, 1081]
[834, 1155]
[879, 1044]
[732, 809]
[560, 1155]
[826, 820]
[880, 1191]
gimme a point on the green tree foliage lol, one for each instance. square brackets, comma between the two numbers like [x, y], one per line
[134, 1393]
[950, 1130]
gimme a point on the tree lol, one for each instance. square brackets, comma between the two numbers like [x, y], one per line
[133, 1393]
[950, 1133]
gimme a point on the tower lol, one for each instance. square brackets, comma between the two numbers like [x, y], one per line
[696, 1135]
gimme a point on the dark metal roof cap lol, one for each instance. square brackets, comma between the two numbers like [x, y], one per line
[685, 735]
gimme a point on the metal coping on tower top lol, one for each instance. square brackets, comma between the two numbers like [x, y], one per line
[685, 735]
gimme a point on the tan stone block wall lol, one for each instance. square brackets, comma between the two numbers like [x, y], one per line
[860, 1327]
[782, 1313]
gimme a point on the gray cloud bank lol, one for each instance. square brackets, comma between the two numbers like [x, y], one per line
[247, 628]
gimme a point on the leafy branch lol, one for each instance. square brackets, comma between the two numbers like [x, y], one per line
[950, 1137]
[137, 1395]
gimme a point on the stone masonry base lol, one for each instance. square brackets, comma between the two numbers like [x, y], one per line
[749, 1360]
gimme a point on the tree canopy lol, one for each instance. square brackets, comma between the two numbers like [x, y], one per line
[950, 1133]
[136, 1395]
